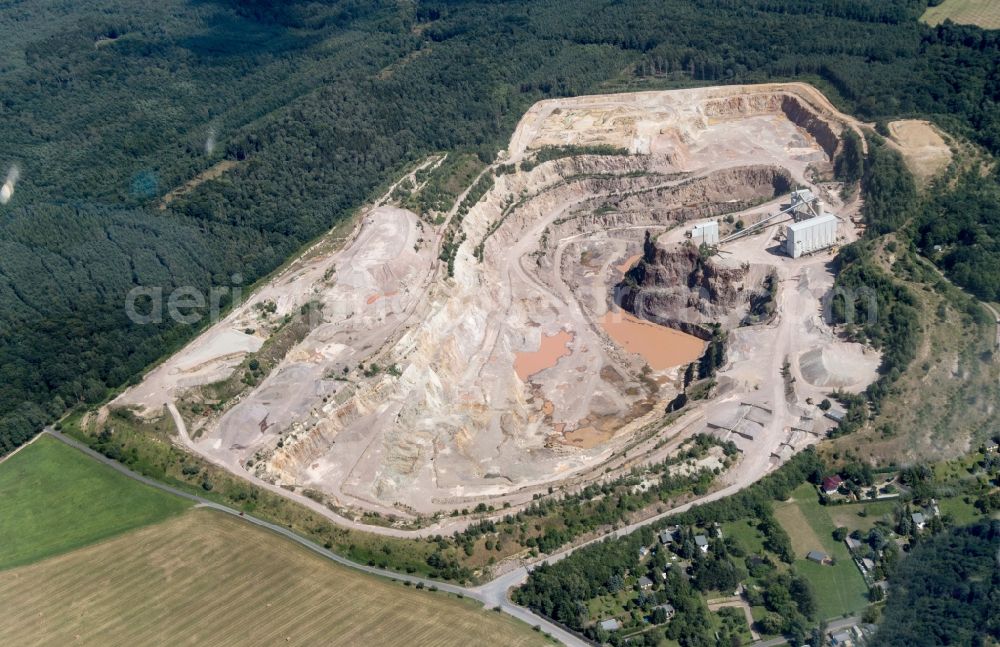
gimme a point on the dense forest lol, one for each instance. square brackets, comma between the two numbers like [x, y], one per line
[959, 229]
[107, 106]
[947, 592]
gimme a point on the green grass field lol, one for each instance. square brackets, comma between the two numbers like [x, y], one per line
[748, 537]
[839, 587]
[963, 513]
[848, 515]
[54, 498]
[610, 605]
[984, 13]
[206, 578]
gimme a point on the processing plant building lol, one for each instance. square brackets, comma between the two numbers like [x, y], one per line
[810, 235]
[805, 205]
[706, 232]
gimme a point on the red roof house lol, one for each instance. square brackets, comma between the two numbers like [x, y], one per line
[831, 483]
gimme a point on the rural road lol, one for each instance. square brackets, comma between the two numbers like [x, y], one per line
[996, 318]
[493, 594]
[519, 612]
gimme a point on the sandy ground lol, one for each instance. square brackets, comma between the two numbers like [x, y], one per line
[501, 380]
[647, 122]
[924, 149]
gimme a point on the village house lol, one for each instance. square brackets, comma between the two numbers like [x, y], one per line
[831, 483]
[667, 608]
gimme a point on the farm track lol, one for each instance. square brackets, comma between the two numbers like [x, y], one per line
[492, 594]
[505, 604]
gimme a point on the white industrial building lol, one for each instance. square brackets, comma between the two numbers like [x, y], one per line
[810, 235]
[706, 232]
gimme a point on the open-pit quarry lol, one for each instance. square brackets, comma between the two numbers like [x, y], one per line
[574, 304]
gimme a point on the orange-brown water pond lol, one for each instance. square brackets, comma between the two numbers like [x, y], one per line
[661, 347]
[549, 351]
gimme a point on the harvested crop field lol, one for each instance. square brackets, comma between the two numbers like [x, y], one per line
[208, 579]
[924, 149]
[983, 13]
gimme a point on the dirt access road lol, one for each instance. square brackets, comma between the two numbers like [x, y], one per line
[493, 594]
[521, 613]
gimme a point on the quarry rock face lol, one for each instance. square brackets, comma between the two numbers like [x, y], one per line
[681, 288]
[792, 106]
[408, 396]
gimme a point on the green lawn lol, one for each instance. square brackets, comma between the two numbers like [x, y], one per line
[839, 588]
[956, 469]
[734, 619]
[847, 515]
[747, 535]
[963, 513]
[758, 612]
[607, 606]
[54, 498]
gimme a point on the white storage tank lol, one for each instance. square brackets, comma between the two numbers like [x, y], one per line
[810, 235]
